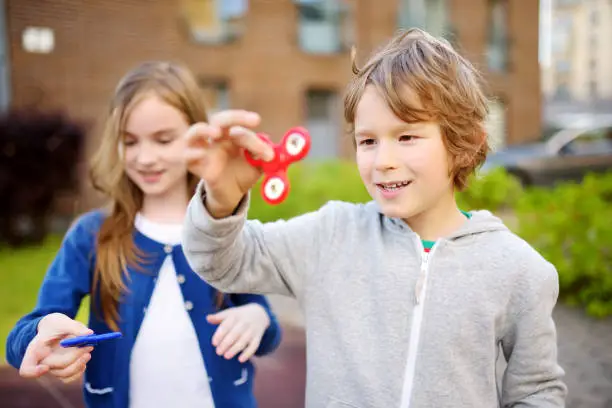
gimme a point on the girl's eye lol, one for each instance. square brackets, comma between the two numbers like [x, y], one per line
[165, 139]
[129, 142]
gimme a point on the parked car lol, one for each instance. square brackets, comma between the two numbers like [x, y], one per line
[567, 155]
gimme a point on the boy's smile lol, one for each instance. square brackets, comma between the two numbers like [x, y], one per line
[393, 188]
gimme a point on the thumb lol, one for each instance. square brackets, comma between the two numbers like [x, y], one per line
[217, 317]
[57, 326]
[67, 327]
[77, 328]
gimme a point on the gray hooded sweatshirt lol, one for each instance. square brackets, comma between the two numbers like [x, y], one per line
[386, 324]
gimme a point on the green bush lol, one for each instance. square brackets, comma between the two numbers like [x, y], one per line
[312, 185]
[571, 226]
[493, 191]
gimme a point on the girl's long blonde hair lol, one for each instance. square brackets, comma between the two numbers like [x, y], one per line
[116, 250]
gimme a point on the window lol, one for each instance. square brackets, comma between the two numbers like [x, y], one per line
[562, 92]
[214, 21]
[323, 123]
[325, 26]
[216, 95]
[430, 15]
[495, 124]
[563, 66]
[497, 47]
[562, 33]
[589, 143]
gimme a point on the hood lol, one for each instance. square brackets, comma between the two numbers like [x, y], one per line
[481, 221]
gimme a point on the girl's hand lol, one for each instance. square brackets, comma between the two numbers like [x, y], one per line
[240, 329]
[45, 355]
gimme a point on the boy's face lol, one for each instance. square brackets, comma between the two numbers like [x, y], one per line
[405, 167]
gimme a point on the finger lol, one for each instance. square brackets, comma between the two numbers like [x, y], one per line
[238, 346]
[73, 369]
[250, 350]
[218, 317]
[74, 378]
[199, 134]
[62, 358]
[230, 338]
[224, 328]
[236, 117]
[194, 155]
[249, 140]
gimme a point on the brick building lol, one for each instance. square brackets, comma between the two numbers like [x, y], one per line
[287, 59]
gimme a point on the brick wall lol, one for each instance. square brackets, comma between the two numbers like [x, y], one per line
[97, 41]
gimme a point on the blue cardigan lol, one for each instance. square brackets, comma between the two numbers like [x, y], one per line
[106, 382]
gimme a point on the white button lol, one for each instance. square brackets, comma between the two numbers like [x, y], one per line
[168, 249]
[180, 278]
[188, 305]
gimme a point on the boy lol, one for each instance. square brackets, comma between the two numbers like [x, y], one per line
[406, 298]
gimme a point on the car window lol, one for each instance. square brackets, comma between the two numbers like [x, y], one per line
[593, 142]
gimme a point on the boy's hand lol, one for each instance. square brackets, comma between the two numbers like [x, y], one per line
[45, 355]
[215, 153]
[240, 329]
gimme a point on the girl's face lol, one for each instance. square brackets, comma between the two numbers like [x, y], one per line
[153, 148]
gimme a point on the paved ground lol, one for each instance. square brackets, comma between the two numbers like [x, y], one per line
[585, 351]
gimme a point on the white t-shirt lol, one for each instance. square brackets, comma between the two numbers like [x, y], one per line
[166, 367]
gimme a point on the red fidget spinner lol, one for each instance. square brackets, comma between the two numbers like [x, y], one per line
[293, 147]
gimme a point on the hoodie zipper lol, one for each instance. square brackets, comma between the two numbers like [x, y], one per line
[420, 292]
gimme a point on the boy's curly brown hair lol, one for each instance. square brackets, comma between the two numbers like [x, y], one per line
[449, 88]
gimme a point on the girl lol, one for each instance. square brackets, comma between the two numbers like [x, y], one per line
[129, 258]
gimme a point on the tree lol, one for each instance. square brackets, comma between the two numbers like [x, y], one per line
[39, 155]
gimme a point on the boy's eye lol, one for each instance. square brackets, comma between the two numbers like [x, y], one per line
[407, 138]
[366, 142]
